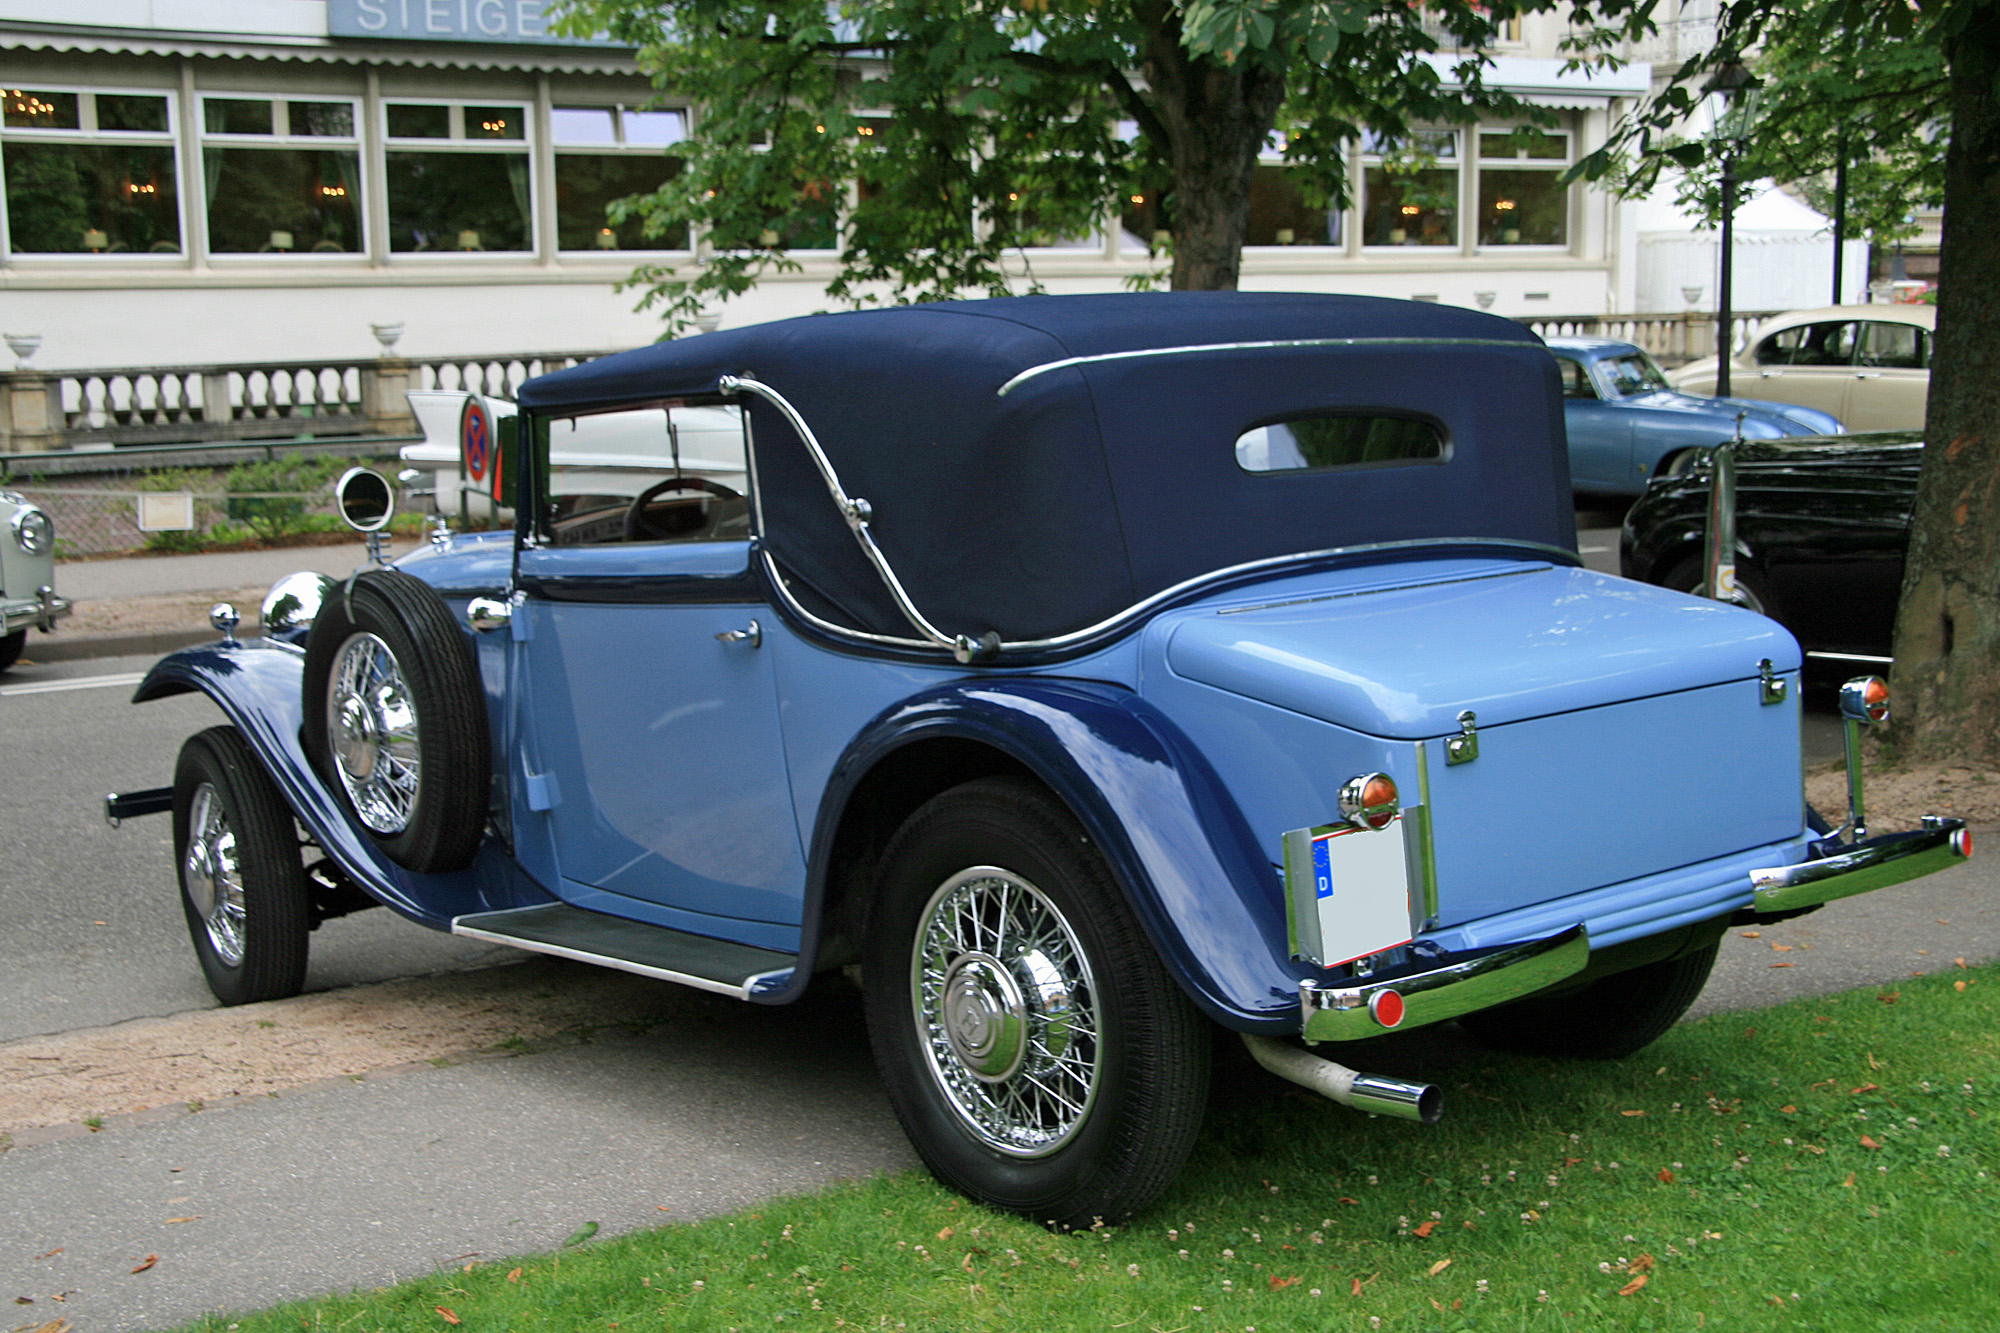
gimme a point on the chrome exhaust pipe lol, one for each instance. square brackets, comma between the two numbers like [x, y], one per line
[1364, 1092]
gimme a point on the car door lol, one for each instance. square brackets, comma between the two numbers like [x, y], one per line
[650, 778]
[1810, 364]
[1600, 433]
[1892, 378]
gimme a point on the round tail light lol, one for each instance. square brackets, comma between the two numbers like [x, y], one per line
[1369, 801]
[1865, 699]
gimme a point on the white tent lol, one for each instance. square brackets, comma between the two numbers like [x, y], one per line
[1784, 254]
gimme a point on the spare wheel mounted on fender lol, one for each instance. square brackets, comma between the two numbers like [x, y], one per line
[395, 719]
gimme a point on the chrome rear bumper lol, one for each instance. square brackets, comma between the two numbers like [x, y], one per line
[1874, 863]
[1348, 1013]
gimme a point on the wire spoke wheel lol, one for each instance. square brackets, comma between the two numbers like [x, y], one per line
[373, 732]
[1006, 1002]
[213, 874]
[243, 889]
[1032, 1043]
[395, 720]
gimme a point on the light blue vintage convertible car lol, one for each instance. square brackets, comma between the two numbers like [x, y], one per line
[1098, 675]
[1627, 424]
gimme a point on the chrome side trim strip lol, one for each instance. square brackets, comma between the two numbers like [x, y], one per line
[1866, 866]
[1277, 343]
[1345, 1013]
[1854, 657]
[605, 960]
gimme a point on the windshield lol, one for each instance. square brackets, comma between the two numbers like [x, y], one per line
[1634, 374]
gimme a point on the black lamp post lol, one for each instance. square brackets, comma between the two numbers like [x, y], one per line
[1734, 85]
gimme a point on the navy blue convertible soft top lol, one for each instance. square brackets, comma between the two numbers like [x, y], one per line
[1089, 487]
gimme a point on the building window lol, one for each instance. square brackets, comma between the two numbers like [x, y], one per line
[1279, 214]
[1409, 190]
[90, 172]
[459, 177]
[281, 176]
[604, 154]
[1521, 199]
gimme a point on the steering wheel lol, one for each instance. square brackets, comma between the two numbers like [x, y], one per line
[635, 515]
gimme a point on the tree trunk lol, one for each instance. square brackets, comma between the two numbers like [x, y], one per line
[1947, 672]
[1217, 117]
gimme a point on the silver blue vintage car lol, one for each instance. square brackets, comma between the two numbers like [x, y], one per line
[1627, 424]
[1092, 676]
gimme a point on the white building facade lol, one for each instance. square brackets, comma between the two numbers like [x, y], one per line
[211, 181]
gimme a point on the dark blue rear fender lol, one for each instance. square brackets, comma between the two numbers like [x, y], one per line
[257, 685]
[1211, 903]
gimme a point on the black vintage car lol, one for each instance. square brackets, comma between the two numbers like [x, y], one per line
[1821, 527]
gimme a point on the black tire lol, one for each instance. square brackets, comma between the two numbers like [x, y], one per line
[236, 853]
[11, 646]
[1609, 1019]
[414, 771]
[1092, 1014]
[1752, 594]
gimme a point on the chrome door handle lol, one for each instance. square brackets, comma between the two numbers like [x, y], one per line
[753, 634]
[487, 614]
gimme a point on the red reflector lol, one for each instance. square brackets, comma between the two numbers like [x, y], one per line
[1961, 842]
[1387, 1008]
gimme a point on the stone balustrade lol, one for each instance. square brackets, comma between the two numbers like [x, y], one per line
[44, 411]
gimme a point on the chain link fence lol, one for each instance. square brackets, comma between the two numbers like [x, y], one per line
[251, 503]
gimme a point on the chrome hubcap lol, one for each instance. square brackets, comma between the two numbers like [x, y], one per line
[371, 728]
[1006, 1010]
[213, 876]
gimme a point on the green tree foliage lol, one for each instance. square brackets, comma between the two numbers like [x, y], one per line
[1947, 648]
[949, 135]
[1823, 94]
[273, 494]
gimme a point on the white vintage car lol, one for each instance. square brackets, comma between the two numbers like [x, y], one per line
[605, 464]
[27, 574]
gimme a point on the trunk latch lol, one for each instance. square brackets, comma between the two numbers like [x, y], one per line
[1770, 684]
[1464, 747]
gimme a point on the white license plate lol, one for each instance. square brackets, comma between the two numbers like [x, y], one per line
[1348, 891]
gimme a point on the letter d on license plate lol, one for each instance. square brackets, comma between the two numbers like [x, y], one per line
[1347, 891]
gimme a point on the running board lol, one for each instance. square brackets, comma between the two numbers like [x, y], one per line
[633, 946]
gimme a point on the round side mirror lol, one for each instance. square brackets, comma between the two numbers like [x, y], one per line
[366, 502]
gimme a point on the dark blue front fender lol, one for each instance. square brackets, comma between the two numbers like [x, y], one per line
[257, 684]
[1209, 899]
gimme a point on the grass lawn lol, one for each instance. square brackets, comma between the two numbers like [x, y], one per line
[1822, 1165]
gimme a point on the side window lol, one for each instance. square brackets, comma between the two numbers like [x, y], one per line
[647, 475]
[1576, 380]
[1348, 440]
[1827, 345]
[1896, 346]
[1781, 348]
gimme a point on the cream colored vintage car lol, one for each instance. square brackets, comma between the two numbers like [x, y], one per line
[1869, 365]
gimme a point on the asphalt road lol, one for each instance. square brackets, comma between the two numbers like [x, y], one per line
[93, 920]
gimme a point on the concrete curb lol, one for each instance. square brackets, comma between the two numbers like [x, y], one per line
[76, 648]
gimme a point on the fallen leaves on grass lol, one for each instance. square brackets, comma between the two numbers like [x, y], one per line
[1865, 1087]
[514, 1276]
[446, 1315]
[1666, 1176]
[1639, 1112]
[1848, 1183]
[1632, 1288]
[1280, 1283]
[1439, 1267]
[1890, 997]
[1789, 1109]
[147, 1263]
[1869, 1143]
[1425, 1230]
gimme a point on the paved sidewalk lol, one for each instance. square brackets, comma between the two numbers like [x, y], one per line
[167, 596]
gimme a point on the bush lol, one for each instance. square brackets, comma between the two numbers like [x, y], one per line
[276, 491]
